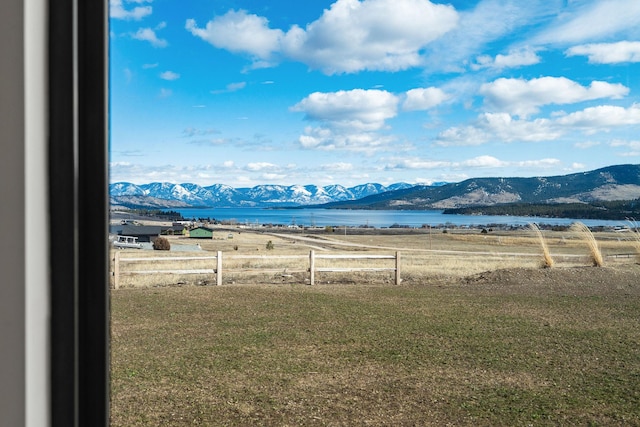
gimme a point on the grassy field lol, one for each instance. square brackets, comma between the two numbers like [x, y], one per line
[514, 347]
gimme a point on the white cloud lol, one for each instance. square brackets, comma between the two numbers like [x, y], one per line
[631, 144]
[417, 163]
[515, 58]
[498, 127]
[240, 32]
[260, 166]
[591, 20]
[337, 167]
[326, 139]
[384, 35]
[349, 120]
[524, 97]
[602, 117]
[169, 75]
[508, 129]
[488, 21]
[350, 36]
[484, 161]
[203, 174]
[583, 145]
[537, 164]
[360, 109]
[231, 87]
[503, 127]
[147, 34]
[633, 147]
[117, 10]
[272, 177]
[608, 53]
[191, 132]
[462, 136]
[424, 98]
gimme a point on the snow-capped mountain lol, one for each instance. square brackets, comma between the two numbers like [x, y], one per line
[219, 195]
[617, 182]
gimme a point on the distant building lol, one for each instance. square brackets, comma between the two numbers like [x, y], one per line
[144, 233]
[201, 233]
[176, 229]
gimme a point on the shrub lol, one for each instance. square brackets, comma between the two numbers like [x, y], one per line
[161, 244]
[269, 245]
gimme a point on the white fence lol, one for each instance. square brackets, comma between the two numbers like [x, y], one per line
[218, 270]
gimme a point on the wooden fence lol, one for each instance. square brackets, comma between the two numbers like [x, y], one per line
[217, 271]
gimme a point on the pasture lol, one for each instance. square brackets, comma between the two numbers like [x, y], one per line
[476, 334]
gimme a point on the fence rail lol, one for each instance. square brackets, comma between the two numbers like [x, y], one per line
[218, 270]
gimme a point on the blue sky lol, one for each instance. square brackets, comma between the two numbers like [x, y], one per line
[242, 92]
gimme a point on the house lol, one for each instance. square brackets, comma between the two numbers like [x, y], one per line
[144, 233]
[176, 229]
[201, 233]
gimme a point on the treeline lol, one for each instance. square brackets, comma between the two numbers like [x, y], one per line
[614, 210]
[157, 213]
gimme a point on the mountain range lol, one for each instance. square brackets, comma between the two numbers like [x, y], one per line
[168, 195]
[619, 182]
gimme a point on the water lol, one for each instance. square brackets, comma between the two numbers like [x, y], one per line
[371, 218]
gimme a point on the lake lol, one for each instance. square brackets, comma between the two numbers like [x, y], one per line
[371, 218]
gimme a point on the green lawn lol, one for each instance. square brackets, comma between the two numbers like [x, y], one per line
[437, 354]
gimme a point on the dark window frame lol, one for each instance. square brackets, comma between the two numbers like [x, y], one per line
[78, 211]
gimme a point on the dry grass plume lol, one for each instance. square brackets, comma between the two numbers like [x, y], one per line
[583, 232]
[546, 255]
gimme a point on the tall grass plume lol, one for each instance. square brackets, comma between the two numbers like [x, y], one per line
[546, 255]
[583, 232]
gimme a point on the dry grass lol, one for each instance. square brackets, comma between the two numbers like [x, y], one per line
[546, 255]
[587, 237]
[455, 254]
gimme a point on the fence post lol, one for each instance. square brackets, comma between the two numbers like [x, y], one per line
[219, 268]
[398, 268]
[116, 269]
[312, 267]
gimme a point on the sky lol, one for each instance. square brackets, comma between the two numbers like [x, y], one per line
[246, 92]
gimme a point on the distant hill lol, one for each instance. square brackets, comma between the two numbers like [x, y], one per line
[620, 182]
